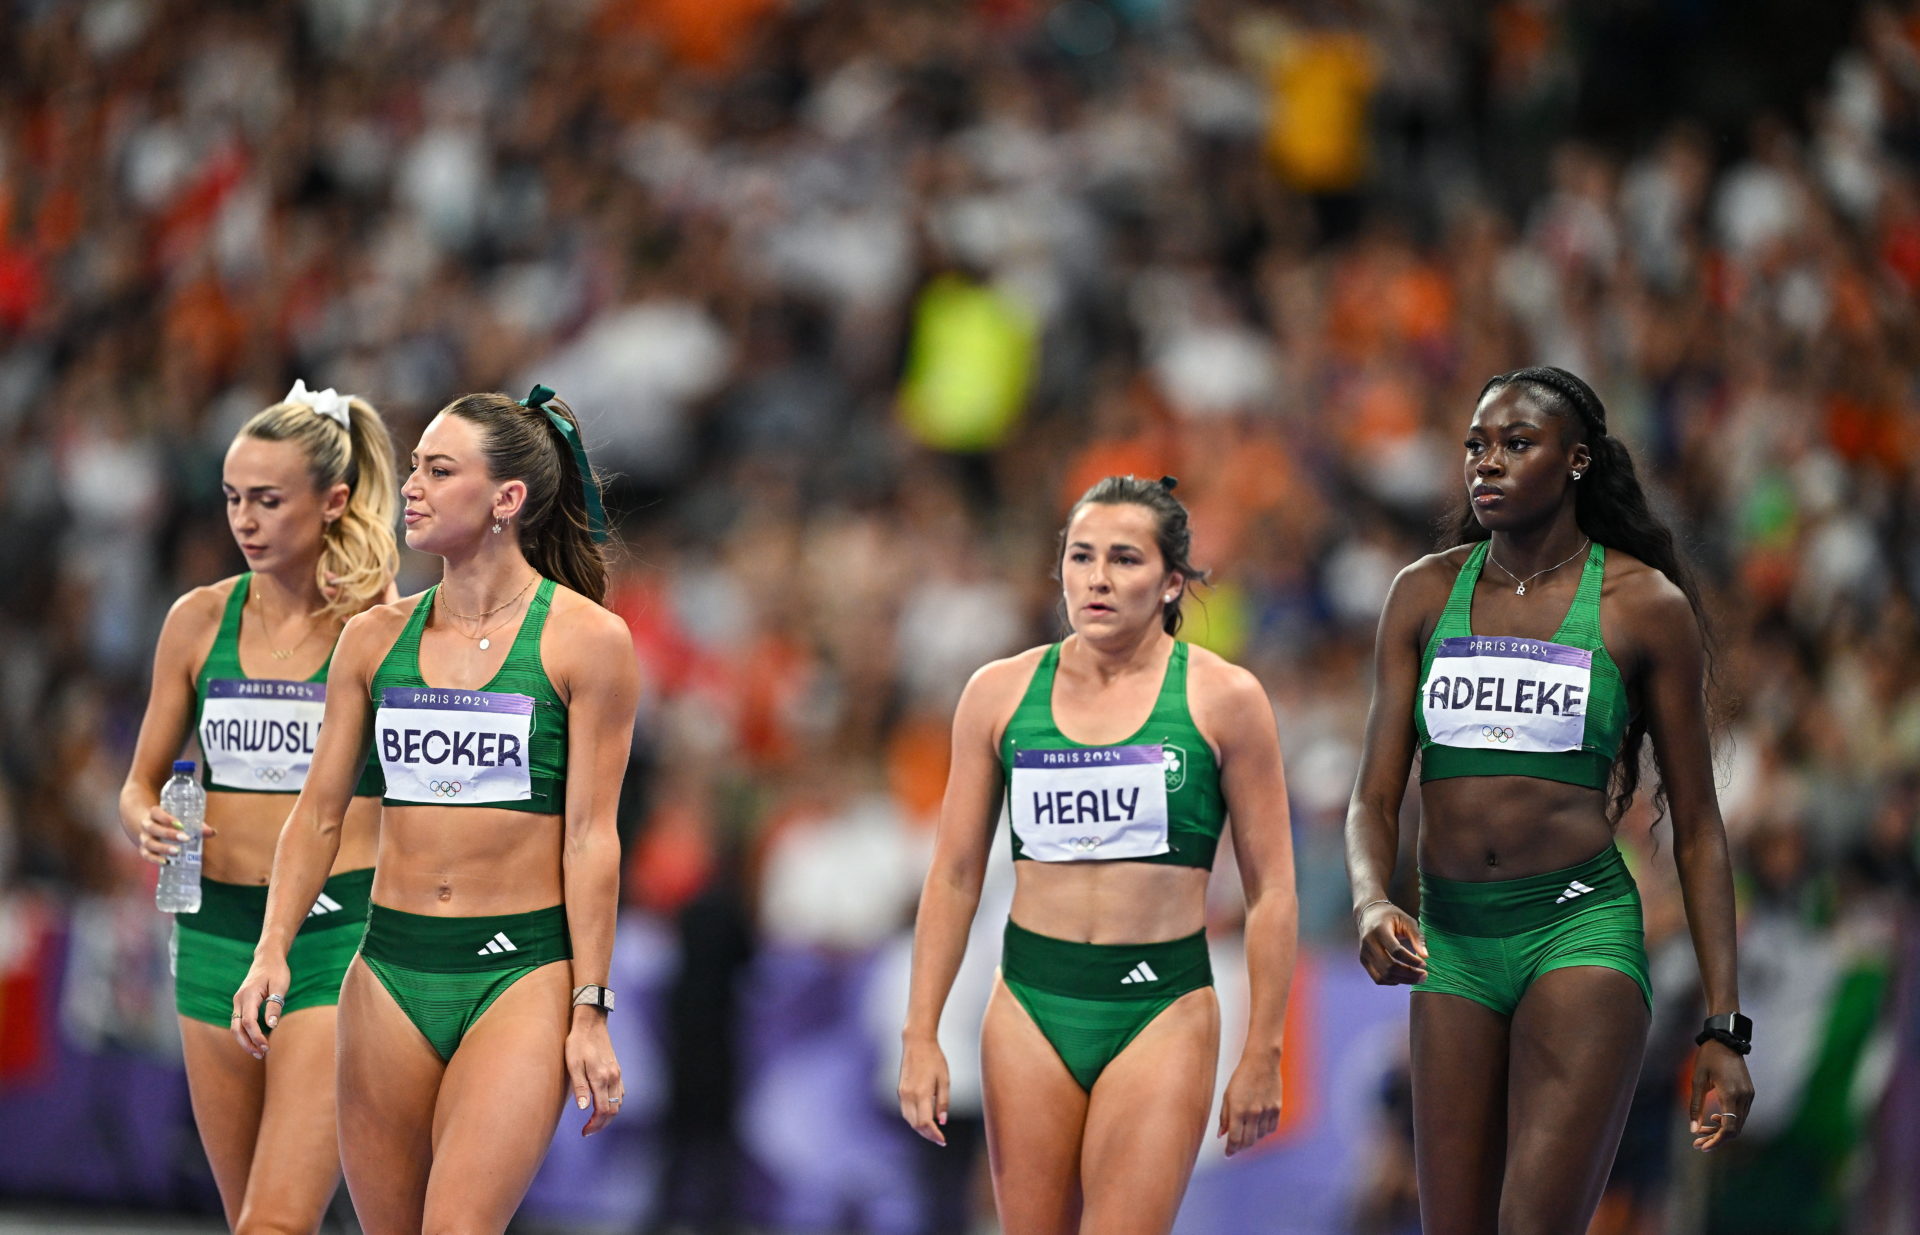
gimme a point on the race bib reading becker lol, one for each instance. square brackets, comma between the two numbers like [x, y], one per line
[454, 747]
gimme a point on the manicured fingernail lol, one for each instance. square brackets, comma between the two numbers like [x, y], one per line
[582, 1102]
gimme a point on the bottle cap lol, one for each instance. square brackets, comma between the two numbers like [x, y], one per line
[183, 765]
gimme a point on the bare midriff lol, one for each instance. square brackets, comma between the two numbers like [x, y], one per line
[248, 827]
[469, 861]
[1110, 902]
[1477, 829]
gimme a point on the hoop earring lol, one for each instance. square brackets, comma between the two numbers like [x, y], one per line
[1576, 475]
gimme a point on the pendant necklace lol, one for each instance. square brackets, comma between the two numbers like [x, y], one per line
[265, 625]
[1521, 590]
[485, 642]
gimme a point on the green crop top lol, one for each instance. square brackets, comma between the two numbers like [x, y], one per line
[1496, 705]
[257, 735]
[1154, 797]
[503, 745]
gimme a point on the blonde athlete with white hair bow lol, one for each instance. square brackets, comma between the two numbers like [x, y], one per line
[242, 664]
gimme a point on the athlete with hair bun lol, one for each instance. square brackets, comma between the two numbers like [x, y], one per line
[500, 704]
[1118, 754]
[1527, 665]
[244, 665]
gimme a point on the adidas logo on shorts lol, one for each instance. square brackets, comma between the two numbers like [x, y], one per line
[1142, 972]
[1576, 888]
[499, 943]
[326, 904]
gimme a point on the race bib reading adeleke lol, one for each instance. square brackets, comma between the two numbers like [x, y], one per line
[1090, 802]
[1488, 692]
[454, 747]
[257, 733]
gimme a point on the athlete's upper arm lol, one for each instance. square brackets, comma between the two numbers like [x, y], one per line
[1233, 711]
[1387, 751]
[185, 640]
[1674, 693]
[971, 806]
[602, 682]
[346, 727]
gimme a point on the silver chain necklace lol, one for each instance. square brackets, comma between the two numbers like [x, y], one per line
[1521, 590]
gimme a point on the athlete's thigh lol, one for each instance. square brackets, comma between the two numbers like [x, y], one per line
[1578, 1038]
[387, 1079]
[1035, 1112]
[227, 1087]
[296, 1161]
[1147, 1117]
[1459, 1057]
[499, 1101]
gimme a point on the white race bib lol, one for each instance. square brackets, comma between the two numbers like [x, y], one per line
[1488, 692]
[257, 733]
[1090, 802]
[454, 747]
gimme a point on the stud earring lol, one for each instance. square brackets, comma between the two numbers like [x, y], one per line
[1576, 475]
[1170, 597]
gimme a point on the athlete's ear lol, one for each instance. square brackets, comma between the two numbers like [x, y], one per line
[508, 500]
[334, 502]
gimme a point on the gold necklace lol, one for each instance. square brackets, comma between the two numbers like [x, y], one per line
[266, 625]
[1522, 589]
[485, 642]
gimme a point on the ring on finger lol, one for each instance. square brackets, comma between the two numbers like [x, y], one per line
[279, 999]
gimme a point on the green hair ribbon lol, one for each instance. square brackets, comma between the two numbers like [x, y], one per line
[537, 400]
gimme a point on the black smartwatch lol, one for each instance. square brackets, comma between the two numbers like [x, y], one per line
[1729, 1029]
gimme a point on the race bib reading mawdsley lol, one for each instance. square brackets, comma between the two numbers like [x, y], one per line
[1488, 692]
[454, 747]
[257, 733]
[1090, 802]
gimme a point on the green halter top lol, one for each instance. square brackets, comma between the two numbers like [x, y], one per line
[1492, 705]
[1195, 808]
[262, 740]
[520, 687]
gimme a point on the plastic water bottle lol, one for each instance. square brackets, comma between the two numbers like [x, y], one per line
[185, 800]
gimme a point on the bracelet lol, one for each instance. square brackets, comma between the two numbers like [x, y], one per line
[1378, 900]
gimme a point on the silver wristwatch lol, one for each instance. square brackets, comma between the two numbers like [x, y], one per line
[594, 997]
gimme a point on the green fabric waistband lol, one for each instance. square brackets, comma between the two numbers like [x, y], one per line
[236, 910]
[467, 945]
[1106, 970]
[1586, 768]
[1506, 907]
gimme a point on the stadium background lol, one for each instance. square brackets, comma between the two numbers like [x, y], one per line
[854, 296]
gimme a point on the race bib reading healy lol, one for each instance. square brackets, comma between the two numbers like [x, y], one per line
[454, 747]
[1090, 802]
[1488, 692]
[259, 734]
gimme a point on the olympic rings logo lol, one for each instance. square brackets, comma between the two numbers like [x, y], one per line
[444, 788]
[1084, 843]
[272, 775]
[1497, 733]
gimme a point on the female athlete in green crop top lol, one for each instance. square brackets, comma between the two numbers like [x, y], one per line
[243, 666]
[500, 705]
[1525, 667]
[1099, 1047]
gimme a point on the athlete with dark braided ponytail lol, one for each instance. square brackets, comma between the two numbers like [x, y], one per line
[1118, 754]
[1527, 665]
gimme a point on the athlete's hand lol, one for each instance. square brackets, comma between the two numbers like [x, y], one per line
[265, 980]
[924, 1088]
[593, 1070]
[1250, 1109]
[161, 836]
[1719, 1070]
[1390, 946]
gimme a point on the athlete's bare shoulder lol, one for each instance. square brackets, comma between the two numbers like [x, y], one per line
[1643, 604]
[373, 630]
[192, 623]
[1419, 592]
[994, 691]
[1212, 677]
[582, 618]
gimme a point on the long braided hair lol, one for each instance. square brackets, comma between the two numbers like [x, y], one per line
[1610, 506]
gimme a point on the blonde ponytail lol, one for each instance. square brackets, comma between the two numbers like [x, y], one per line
[358, 557]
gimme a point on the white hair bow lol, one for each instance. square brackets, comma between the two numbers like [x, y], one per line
[329, 402]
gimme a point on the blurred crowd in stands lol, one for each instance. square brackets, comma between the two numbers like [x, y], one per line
[855, 296]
